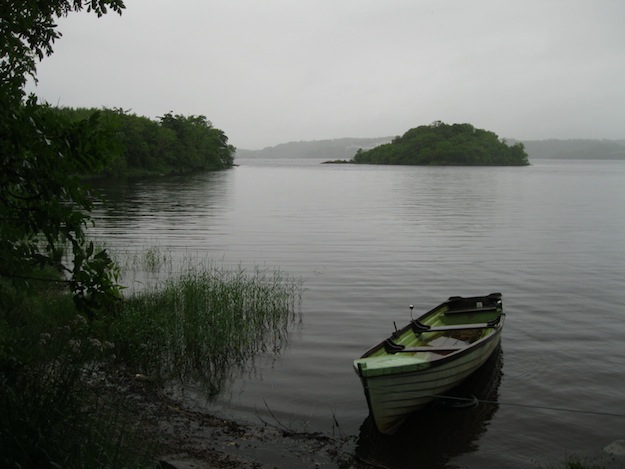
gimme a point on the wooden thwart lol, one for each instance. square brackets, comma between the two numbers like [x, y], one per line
[419, 327]
[392, 348]
[428, 349]
[483, 309]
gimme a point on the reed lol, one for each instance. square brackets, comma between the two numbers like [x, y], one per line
[206, 323]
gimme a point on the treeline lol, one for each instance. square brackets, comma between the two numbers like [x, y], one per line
[442, 144]
[170, 144]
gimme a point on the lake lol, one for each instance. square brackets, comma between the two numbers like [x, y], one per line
[368, 241]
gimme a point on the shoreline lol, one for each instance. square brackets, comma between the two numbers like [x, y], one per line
[185, 439]
[192, 439]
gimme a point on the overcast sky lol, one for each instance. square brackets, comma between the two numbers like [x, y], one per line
[273, 71]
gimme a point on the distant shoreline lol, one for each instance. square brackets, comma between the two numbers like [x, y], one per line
[343, 149]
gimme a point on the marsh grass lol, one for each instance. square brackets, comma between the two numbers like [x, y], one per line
[206, 323]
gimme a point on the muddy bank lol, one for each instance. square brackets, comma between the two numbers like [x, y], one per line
[185, 439]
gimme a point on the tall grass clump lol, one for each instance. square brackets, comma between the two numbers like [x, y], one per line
[206, 322]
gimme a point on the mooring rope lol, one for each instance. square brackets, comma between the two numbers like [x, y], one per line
[531, 406]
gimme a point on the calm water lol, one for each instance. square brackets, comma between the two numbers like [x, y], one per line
[368, 241]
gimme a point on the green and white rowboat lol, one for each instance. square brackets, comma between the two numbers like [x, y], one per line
[429, 356]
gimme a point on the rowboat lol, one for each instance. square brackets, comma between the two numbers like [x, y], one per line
[429, 356]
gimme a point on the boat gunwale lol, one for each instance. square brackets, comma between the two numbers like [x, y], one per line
[366, 373]
[372, 373]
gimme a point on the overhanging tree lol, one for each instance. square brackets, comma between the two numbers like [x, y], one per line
[44, 206]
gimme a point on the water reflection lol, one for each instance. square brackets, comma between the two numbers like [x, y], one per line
[171, 208]
[433, 437]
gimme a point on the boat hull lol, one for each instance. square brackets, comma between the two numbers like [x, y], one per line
[392, 398]
[412, 380]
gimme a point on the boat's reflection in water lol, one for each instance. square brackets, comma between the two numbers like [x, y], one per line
[433, 436]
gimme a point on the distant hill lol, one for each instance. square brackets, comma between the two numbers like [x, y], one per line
[339, 148]
[346, 148]
[576, 149]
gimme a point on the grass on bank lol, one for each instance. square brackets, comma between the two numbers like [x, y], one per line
[198, 325]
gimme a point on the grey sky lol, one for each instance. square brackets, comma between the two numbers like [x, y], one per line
[273, 71]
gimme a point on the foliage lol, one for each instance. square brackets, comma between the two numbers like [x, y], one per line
[172, 144]
[27, 33]
[44, 210]
[43, 205]
[444, 144]
[199, 144]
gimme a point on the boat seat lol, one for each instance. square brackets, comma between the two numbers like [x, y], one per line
[484, 309]
[418, 327]
[426, 348]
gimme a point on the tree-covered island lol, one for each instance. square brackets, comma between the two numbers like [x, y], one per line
[440, 144]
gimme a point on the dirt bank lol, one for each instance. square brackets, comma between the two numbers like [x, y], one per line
[185, 439]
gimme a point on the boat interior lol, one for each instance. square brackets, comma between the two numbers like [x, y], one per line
[450, 327]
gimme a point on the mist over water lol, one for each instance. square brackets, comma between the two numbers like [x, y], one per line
[368, 241]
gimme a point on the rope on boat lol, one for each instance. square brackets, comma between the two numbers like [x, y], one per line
[531, 406]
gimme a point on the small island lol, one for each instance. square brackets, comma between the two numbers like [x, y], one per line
[440, 144]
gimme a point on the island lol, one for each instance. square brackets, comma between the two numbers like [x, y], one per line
[440, 144]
